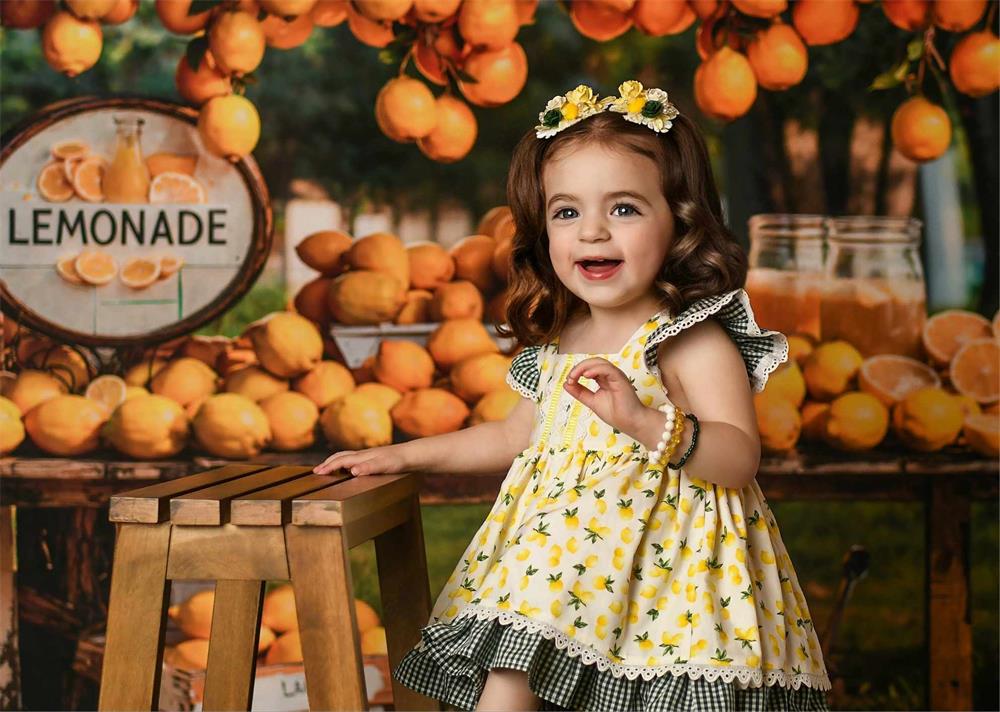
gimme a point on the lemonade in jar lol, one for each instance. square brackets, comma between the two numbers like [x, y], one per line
[126, 179]
[874, 295]
[786, 271]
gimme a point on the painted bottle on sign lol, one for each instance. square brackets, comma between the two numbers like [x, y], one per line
[127, 178]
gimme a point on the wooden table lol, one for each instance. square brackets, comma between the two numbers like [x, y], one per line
[946, 482]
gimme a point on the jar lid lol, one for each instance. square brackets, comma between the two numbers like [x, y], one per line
[793, 226]
[874, 228]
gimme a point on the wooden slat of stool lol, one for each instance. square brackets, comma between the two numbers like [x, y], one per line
[324, 601]
[273, 506]
[130, 678]
[149, 505]
[406, 598]
[232, 650]
[352, 499]
[363, 507]
[210, 506]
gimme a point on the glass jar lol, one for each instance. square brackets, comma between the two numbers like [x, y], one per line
[785, 271]
[873, 294]
[126, 179]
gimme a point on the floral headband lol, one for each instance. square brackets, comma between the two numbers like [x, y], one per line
[649, 107]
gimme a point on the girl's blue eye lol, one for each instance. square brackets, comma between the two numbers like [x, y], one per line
[560, 211]
[625, 205]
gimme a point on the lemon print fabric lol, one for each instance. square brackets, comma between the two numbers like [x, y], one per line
[593, 558]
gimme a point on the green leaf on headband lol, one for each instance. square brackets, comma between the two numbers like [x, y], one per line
[552, 118]
[652, 109]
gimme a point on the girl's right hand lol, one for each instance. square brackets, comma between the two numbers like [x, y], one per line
[386, 460]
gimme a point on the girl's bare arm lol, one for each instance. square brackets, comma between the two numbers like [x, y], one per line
[482, 449]
[705, 375]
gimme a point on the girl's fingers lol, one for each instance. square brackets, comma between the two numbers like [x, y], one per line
[335, 461]
[587, 365]
[581, 393]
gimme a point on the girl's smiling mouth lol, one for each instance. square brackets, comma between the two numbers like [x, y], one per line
[598, 268]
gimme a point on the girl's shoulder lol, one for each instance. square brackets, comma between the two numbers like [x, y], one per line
[763, 350]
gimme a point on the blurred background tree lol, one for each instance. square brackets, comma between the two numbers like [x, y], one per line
[822, 146]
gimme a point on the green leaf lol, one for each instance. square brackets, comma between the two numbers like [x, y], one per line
[195, 51]
[915, 49]
[901, 70]
[388, 56]
[891, 78]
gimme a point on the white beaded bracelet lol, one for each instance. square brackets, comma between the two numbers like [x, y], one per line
[668, 428]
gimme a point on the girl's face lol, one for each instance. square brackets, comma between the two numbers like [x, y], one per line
[608, 222]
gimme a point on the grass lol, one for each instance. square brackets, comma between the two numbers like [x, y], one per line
[880, 649]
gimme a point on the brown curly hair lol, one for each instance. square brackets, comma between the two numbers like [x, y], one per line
[704, 260]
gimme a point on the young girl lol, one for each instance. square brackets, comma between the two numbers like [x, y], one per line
[630, 561]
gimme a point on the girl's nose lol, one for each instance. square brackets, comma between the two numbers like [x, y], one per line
[594, 229]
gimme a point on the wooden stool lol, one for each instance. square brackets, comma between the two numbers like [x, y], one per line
[244, 524]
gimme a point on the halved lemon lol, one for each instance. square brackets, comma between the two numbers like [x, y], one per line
[174, 162]
[174, 187]
[69, 167]
[70, 148]
[66, 267]
[982, 434]
[108, 390]
[890, 377]
[96, 267]
[140, 272]
[975, 370]
[170, 264]
[88, 179]
[52, 183]
[945, 332]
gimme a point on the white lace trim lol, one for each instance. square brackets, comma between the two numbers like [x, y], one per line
[768, 362]
[744, 676]
[512, 382]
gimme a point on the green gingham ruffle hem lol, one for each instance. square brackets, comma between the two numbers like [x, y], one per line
[453, 659]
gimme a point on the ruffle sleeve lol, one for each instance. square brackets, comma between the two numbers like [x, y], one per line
[763, 350]
[524, 373]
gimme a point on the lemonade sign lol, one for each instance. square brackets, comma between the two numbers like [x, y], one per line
[118, 227]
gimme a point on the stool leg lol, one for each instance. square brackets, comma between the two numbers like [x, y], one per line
[406, 598]
[232, 651]
[133, 654]
[324, 600]
[10, 673]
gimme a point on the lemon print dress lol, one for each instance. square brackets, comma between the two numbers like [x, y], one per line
[617, 584]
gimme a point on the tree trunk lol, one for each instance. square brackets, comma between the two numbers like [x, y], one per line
[867, 144]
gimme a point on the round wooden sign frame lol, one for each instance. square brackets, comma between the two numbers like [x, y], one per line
[261, 241]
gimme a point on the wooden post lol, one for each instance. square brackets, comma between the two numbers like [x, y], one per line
[232, 650]
[406, 598]
[320, 571]
[949, 624]
[133, 658]
[10, 672]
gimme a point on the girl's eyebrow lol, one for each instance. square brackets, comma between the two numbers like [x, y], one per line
[616, 194]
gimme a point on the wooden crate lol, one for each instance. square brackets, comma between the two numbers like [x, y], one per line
[277, 688]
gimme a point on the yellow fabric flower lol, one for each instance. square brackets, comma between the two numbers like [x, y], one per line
[649, 107]
[563, 111]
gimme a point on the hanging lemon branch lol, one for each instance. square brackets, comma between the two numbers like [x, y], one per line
[469, 48]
